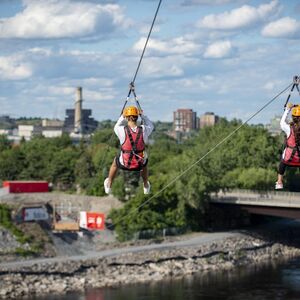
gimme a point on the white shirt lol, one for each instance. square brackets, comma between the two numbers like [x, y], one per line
[283, 123]
[120, 131]
[285, 126]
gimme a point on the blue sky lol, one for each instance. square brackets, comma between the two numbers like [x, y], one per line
[229, 57]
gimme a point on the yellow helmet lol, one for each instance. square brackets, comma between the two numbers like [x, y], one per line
[131, 111]
[296, 111]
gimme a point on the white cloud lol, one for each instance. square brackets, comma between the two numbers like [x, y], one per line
[283, 28]
[206, 2]
[166, 67]
[40, 51]
[219, 49]
[178, 45]
[62, 19]
[241, 17]
[13, 68]
[61, 90]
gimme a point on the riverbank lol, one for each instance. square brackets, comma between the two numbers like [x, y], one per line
[208, 252]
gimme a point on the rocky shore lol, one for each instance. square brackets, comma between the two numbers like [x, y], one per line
[144, 266]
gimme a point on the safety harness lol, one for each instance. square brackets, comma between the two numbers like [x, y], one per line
[292, 150]
[133, 149]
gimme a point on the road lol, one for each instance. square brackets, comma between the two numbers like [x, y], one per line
[199, 240]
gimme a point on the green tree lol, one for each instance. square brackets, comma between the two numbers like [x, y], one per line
[11, 164]
[62, 168]
[4, 143]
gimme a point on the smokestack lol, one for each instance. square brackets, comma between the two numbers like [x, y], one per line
[78, 111]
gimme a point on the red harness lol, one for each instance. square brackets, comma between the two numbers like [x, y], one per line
[133, 149]
[291, 153]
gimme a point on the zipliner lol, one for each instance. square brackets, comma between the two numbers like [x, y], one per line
[133, 139]
[291, 154]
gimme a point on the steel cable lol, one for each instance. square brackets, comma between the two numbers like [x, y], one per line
[146, 43]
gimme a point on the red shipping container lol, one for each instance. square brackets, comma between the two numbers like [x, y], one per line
[26, 186]
[92, 220]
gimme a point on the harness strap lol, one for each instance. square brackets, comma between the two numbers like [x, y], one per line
[133, 145]
[140, 160]
[293, 153]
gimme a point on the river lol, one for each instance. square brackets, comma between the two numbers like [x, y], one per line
[271, 281]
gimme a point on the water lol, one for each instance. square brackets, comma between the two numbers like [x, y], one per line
[269, 282]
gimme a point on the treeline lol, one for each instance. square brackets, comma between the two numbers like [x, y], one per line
[248, 160]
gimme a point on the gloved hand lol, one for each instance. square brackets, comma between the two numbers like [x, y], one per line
[290, 105]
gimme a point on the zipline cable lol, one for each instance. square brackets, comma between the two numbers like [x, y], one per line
[205, 155]
[146, 43]
[131, 85]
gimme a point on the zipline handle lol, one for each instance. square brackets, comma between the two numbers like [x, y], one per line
[131, 90]
[296, 81]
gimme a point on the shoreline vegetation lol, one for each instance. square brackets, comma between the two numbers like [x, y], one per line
[65, 276]
[247, 161]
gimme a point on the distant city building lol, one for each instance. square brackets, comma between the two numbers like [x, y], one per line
[52, 123]
[184, 120]
[52, 133]
[6, 131]
[208, 119]
[28, 131]
[78, 120]
[274, 126]
[52, 128]
[6, 122]
[88, 124]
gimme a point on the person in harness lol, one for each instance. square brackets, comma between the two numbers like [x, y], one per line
[132, 140]
[291, 153]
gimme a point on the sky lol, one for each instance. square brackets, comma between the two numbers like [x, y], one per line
[221, 56]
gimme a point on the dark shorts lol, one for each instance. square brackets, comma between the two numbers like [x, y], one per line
[282, 167]
[120, 166]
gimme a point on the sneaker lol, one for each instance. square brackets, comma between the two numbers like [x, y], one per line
[278, 186]
[107, 188]
[147, 189]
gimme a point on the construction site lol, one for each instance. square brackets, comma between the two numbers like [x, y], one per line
[53, 224]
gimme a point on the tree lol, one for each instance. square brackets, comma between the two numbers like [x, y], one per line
[62, 168]
[4, 143]
[11, 164]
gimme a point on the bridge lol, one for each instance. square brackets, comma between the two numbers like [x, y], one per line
[271, 203]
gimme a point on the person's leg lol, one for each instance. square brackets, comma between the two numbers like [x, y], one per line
[112, 172]
[281, 171]
[144, 175]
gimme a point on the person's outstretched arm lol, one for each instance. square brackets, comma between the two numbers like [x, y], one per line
[147, 128]
[283, 122]
[119, 129]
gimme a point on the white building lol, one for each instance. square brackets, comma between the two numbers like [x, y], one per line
[6, 131]
[52, 133]
[28, 131]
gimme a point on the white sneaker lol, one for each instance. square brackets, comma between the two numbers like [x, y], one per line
[147, 189]
[107, 189]
[278, 186]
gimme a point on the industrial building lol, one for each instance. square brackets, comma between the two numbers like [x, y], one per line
[78, 120]
[78, 123]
